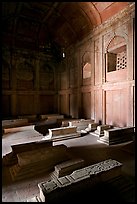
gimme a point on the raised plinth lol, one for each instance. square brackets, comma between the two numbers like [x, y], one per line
[61, 188]
[117, 135]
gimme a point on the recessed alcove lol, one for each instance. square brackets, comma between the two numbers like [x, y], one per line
[116, 60]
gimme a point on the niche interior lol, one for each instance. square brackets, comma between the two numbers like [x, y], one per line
[116, 60]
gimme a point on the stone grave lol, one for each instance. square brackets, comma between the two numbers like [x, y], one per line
[62, 133]
[91, 127]
[18, 129]
[44, 126]
[31, 118]
[99, 132]
[6, 124]
[67, 167]
[57, 190]
[52, 116]
[35, 162]
[11, 158]
[81, 124]
[117, 135]
[65, 122]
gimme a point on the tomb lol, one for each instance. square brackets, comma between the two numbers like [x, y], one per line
[52, 116]
[82, 124]
[117, 135]
[17, 129]
[44, 126]
[13, 123]
[36, 162]
[57, 190]
[91, 127]
[67, 167]
[31, 118]
[99, 132]
[65, 122]
[11, 158]
[61, 133]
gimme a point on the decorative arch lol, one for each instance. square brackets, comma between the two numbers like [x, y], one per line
[86, 68]
[115, 42]
[116, 54]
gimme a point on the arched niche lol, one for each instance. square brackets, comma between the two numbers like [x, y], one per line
[116, 59]
[86, 68]
[116, 54]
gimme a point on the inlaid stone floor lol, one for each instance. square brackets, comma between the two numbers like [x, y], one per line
[86, 147]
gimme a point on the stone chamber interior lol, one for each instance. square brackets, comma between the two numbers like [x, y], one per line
[67, 64]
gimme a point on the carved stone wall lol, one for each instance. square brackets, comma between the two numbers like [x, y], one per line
[117, 38]
[27, 80]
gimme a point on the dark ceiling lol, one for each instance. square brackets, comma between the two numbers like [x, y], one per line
[32, 24]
